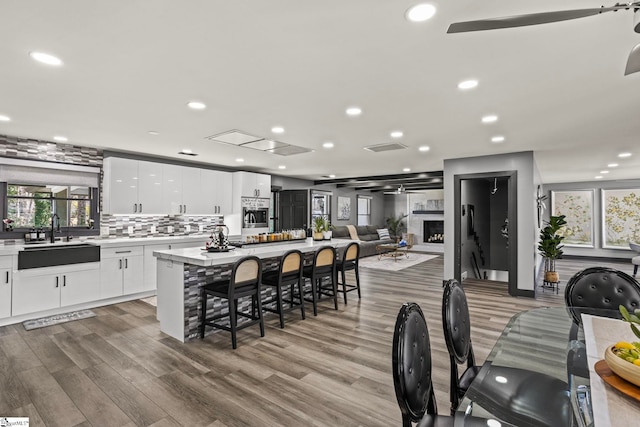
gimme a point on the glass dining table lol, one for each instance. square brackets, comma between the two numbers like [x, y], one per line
[535, 344]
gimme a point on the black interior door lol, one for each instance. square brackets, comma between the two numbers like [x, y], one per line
[293, 209]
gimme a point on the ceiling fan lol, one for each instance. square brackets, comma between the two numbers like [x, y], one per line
[633, 63]
[399, 190]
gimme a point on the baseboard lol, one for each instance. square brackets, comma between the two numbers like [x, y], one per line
[596, 258]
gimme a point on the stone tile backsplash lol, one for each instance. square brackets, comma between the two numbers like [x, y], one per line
[118, 226]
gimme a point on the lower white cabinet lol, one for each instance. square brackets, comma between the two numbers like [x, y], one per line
[150, 262]
[41, 289]
[121, 271]
[5, 286]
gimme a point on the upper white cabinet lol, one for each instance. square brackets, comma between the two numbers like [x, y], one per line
[216, 191]
[183, 191]
[252, 184]
[141, 187]
[132, 186]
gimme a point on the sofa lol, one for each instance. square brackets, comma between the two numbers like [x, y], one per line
[367, 235]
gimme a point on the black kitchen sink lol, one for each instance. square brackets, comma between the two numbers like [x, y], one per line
[52, 255]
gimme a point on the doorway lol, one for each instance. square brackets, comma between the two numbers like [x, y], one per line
[486, 241]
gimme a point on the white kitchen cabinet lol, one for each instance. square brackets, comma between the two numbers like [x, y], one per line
[5, 286]
[150, 262]
[132, 186]
[252, 184]
[121, 271]
[47, 288]
[182, 192]
[216, 191]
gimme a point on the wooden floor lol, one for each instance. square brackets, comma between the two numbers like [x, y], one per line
[118, 369]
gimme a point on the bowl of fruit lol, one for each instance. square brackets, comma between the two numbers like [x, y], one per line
[623, 358]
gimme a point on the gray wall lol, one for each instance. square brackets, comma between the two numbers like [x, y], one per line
[524, 164]
[377, 201]
[596, 186]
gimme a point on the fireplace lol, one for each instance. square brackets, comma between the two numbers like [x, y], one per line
[433, 231]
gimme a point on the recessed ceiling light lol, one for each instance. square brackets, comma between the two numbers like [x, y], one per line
[282, 167]
[467, 84]
[197, 105]
[332, 176]
[420, 12]
[604, 172]
[239, 160]
[45, 58]
[277, 129]
[490, 118]
[354, 111]
[424, 148]
[328, 144]
[397, 134]
[612, 165]
[598, 177]
[153, 132]
[406, 170]
[623, 155]
[4, 118]
[497, 139]
[60, 138]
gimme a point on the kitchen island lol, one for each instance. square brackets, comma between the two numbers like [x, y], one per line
[182, 273]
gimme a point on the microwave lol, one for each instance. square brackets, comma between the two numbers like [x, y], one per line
[255, 217]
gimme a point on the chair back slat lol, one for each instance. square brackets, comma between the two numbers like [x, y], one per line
[352, 252]
[247, 270]
[291, 262]
[325, 257]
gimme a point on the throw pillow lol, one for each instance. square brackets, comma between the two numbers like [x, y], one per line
[383, 233]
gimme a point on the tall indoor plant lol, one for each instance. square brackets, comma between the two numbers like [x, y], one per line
[396, 225]
[550, 246]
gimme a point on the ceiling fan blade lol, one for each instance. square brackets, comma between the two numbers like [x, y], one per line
[529, 19]
[633, 63]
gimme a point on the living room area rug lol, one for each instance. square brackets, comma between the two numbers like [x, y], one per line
[391, 264]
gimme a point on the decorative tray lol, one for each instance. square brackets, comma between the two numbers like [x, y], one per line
[623, 386]
[220, 250]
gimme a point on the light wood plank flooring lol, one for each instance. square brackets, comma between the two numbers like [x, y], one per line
[118, 369]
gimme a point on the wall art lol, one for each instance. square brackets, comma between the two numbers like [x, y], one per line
[577, 207]
[620, 217]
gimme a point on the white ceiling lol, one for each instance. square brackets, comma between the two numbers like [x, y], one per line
[131, 66]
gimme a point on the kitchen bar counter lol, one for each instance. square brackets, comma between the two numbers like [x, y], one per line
[182, 273]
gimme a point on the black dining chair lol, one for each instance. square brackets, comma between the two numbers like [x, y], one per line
[245, 281]
[322, 268]
[412, 374]
[599, 291]
[347, 262]
[526, 398]
[289, 274]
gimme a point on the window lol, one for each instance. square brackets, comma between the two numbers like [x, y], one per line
[33, 205]
[364, 210]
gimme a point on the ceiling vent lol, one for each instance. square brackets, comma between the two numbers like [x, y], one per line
[243, 139]
[385, 147]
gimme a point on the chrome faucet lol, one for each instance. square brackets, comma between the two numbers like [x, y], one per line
[54, 217]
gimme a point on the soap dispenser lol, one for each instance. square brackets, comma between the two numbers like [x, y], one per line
[33, 235]
[41, 234]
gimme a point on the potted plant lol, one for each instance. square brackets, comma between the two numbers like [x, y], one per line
[327, 233]
[550, 246]
[396, 225]
[318, 228]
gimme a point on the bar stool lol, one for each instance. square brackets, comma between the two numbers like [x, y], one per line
[324, 266]
[243, 282]
[289, 274]
[349, 261]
